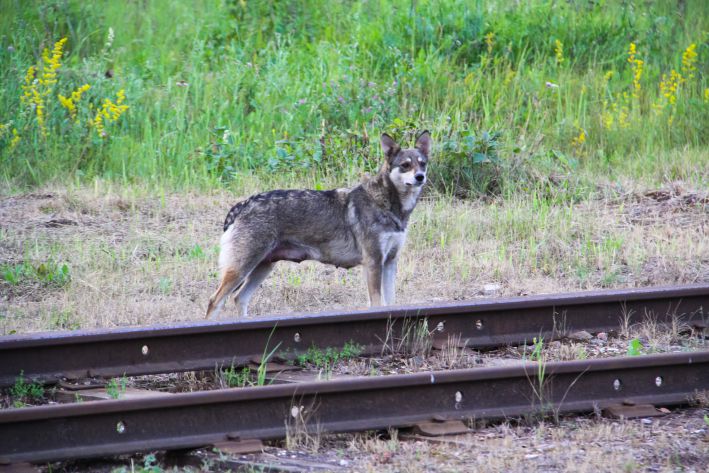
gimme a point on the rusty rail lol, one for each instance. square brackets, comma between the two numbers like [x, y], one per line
[57, 432]
[488, 323]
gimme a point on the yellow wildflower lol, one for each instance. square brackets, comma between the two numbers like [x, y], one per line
[637, 66]
[689, 59]
[637, 74]
[608, 76]
[38, 103]
[15, 138]
[51, 64]
[489, 41]
[29, 85]
[669, 86]
[706, 95]
[631, 53]
[579, 140]
[70, 103]
[559, 51]
[109, 112]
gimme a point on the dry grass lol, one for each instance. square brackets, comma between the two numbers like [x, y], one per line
[676, 442]
[139, 257]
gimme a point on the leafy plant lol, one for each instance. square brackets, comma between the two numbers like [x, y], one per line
[116, 387]
[237, 378]
[23, 391]
[635, 347]
[469, 163]
[221, 154]
[49, 273]
[325, 359]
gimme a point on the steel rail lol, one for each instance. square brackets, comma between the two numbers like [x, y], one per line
[48, 357]
[58, 432]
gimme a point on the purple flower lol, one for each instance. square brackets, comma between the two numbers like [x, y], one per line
[302, 102]
[371, 84]
[341, 99]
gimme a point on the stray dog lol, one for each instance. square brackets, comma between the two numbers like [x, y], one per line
[364, 225]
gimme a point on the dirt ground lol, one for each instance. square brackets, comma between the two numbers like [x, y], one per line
[114, 256]
[136, 258]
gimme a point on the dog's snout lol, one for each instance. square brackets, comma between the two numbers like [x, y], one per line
[420, 177]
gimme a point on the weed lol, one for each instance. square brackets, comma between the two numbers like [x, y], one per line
[265, 357]
[63, 320]
[23, 392]
[412, 338]
[48, 273]
[165, 285]
[325, 359]
[453, 352]
[301, 432]
[234, 378]
[116, 387]
[635, 347]
[581, 353]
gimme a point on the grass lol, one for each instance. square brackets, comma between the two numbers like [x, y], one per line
[539, 98]
[129, 240]
[560, 163]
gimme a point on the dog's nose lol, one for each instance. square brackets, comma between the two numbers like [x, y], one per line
[420, 177]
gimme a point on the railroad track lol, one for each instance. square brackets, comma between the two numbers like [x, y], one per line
[50, 357]
[174, 421]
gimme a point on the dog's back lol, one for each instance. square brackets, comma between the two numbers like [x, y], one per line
[296, 225]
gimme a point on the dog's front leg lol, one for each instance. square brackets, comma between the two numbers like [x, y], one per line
[373, 275]
[389, 281]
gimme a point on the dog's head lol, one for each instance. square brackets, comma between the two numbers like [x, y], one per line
[407, 167]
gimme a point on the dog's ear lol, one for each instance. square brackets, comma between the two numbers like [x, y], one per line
[423, 143]
[389, 146]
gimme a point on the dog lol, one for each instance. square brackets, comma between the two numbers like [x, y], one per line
[365, 224]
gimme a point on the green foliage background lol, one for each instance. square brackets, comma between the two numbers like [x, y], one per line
[221, 92]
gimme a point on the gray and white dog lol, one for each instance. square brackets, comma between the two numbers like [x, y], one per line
[364, 225]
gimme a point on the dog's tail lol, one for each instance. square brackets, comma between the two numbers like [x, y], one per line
[226, 247]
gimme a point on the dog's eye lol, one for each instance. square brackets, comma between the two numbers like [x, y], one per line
[405, 166]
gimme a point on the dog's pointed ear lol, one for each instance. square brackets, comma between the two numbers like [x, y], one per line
[423, 143]
[389, 146]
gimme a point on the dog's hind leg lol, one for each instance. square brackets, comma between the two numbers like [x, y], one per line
[253, 281]
[230, 281]
[240, 253]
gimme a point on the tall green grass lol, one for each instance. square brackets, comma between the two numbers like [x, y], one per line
[516, 94]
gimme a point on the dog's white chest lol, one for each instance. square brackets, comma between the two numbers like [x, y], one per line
[391, 242]
[408, 199]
